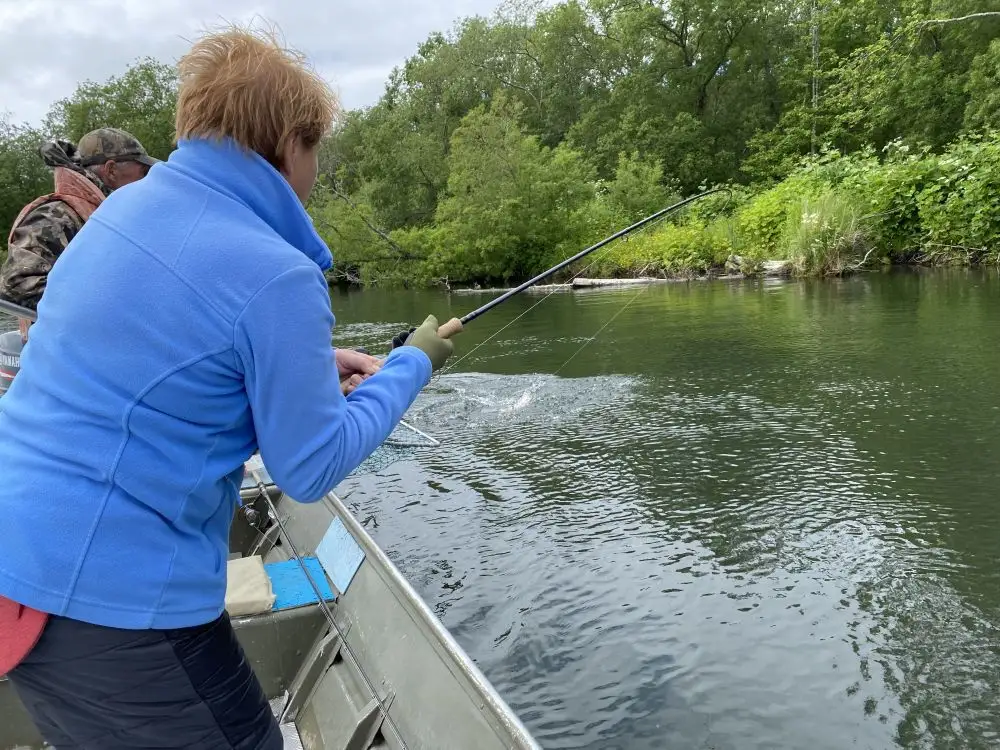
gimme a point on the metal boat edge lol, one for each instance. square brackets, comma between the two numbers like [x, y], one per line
[429, 694]
[419, 608]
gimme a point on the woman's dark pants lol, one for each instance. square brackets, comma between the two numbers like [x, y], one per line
[95, 688]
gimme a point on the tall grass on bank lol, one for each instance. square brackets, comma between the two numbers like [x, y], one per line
[825, 237]
[818, 236]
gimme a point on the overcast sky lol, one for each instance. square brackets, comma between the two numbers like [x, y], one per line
[48, 46]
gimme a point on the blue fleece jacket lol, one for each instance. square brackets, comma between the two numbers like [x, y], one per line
[186, 325]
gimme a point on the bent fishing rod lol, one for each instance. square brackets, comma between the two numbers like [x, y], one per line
[455, 325]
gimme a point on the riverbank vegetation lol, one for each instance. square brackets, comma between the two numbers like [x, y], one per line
[850, 135]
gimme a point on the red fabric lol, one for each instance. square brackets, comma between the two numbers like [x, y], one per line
[20, 629]
[73, 189]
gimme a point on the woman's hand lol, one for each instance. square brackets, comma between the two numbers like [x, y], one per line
[354, 367]
[350, 362]
[349, 383]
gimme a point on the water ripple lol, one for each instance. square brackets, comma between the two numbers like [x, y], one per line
[749, 518]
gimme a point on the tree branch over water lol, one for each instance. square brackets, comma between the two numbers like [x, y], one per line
[342, 196]
[970, 17]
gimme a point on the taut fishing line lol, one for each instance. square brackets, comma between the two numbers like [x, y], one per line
[404, 437]
[525, 398]
[642, 226]
[399, 445]
[605, 249]
[444, 370]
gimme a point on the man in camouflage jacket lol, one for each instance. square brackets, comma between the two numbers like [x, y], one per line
[104, 160]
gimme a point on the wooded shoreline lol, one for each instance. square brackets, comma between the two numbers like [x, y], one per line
[851, 136]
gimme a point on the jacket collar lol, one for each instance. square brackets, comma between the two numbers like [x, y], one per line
[248, 178]
[78, 185]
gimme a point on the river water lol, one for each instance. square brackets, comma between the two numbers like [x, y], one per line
[748, 515]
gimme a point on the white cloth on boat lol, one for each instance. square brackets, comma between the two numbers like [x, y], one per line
[248, 587]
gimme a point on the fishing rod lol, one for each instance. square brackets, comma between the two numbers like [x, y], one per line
[455, 325]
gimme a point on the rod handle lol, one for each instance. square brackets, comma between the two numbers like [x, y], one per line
[449, 329]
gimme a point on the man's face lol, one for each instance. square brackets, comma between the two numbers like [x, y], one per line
[118, 173]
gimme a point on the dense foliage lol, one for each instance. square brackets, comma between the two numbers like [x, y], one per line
[851, 132]
[142, 101]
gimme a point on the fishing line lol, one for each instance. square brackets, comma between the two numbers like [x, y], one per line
[605, 246]
[538, 386]
[453, 326]
[597, 333]
[327, 613]
[492, 336]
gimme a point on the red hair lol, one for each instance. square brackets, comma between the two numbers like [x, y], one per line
[247, 86]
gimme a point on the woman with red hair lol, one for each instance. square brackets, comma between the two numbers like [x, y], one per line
[186, 326]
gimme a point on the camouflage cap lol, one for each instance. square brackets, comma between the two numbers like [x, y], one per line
[103, 144]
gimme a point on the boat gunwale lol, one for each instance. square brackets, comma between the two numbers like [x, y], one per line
[410, 599]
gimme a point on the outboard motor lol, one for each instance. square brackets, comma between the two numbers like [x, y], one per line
[10, 358]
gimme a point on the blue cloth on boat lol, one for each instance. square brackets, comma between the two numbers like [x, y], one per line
[186, 325]
[292, 588]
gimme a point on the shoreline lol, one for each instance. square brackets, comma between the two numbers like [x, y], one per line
[768, 269]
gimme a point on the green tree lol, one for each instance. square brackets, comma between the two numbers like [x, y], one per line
[888, 70]
[23, 175]
[694, 81]
[983, 90]
[510, 200]
[142, 101]
[637, 189]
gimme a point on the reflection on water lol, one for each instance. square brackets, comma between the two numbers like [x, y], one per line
[747, 516]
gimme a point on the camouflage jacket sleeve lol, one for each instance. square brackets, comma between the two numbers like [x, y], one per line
[34, 247]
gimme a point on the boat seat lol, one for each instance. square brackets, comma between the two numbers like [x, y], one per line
[255, 588]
